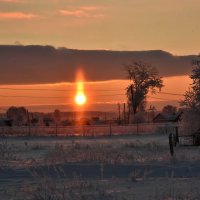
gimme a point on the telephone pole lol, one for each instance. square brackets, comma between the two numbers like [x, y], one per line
[124, 113]
[119, 112]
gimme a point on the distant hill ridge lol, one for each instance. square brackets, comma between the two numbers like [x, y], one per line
[45, 64]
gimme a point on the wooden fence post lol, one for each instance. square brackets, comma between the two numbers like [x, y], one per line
[137, 127]
[171, 144]
[29, 123]
[56, 130]
[83, 130]
[177, 136]
[110, 129]
[124, 113]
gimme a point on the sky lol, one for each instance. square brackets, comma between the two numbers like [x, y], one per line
[129, 25]
[103, 95]
[103, 24]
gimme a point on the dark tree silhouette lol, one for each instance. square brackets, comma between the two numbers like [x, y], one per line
[57, 116]
[18, 115]
[144, 78]
[169, 109]
[192, 96]
[192, 101]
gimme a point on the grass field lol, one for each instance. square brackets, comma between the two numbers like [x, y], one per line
[117, 167]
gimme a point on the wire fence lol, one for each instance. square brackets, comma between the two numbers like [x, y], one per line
[88, 130]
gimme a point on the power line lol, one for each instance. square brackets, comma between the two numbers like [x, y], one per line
[67, 90]
[164, 99]
[36, 97]
[52, 90]
[49, 97]
[61, 97]
[169, 93]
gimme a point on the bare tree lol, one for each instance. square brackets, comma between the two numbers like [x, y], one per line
[144, 78]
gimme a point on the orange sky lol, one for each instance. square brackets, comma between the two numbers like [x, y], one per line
[170, 25]
[118, 25]
[97, 92]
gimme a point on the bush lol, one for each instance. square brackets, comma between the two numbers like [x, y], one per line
[6, 151]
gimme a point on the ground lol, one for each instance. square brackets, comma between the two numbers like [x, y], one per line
[117, 167]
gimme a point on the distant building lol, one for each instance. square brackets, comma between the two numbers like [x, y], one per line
[5, 122]
[167, 117]
[96, 121]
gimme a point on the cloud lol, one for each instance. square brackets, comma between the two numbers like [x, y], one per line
[82, 12]
[75, 13]
[46, 64]
[17, 15]
[13, 1]
[89, 8]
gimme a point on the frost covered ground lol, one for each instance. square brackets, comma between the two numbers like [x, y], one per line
[117, 167]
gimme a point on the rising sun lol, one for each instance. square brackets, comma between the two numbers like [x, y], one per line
[80, 98]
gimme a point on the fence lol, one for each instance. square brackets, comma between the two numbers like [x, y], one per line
[87, 130]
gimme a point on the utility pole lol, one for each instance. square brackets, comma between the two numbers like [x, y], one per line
[132, 99]
[124, 113]
[128, 113]
[29, 124]
[105, 117]
[119, 112]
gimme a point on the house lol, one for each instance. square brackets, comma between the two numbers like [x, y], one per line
[167, 117]
[96, 121]
[5, 122]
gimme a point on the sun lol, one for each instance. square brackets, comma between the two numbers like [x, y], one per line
[80, 98]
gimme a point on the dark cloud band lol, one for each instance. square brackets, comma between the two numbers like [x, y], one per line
[46, 64]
